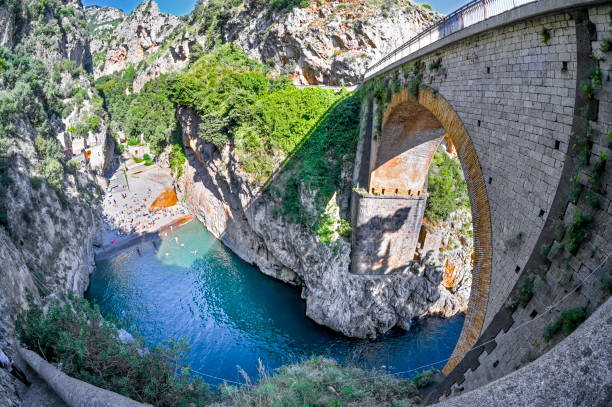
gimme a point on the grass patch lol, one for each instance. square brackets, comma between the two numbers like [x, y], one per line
[323, 382]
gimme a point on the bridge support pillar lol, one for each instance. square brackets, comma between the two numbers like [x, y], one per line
[385, 232]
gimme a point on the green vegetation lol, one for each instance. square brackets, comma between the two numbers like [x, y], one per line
[593, 85]
[523, 294]
[606, 46]
[67, 11]
[426, 6]
[578, 231]
[27, 93]
[545, 34]
[177, 159]
[596, 176]
[265, 118]
[435, 64]
[317, 164]
[567, 322]
[211, 16]
[76, 336]
[323, 382]
[288, 5]
[447, 188]
[425, 378]
[150, 112]
[330, 226]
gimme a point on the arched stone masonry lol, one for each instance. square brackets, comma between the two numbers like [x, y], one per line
[481, 217]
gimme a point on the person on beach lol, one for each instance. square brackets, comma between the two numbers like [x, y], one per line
[6, 363]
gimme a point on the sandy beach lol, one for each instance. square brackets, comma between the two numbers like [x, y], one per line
[139, 203]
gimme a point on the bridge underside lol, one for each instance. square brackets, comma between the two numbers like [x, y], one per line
[388, 220]
[403, 153]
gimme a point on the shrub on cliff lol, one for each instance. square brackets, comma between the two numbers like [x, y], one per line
[76, 337]
[447, 188]
[323, 382]
[177, 159]
[567, 322]
[149, 112]
[265, 118]
[288, 5]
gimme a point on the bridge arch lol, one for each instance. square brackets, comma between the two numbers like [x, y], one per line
[431, 106]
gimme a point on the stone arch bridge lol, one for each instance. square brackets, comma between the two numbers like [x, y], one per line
[506, 92]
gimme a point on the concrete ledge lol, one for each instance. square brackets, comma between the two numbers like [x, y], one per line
[75, 393]
[576, 372]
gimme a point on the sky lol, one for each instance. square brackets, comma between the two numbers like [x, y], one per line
[182, 7]
[176, 7]
[444, 6]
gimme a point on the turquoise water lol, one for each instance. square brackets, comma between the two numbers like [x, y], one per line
[232, 315]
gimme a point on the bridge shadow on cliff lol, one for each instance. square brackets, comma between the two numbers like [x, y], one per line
[318, 169]
[315, 173]
[375, 242]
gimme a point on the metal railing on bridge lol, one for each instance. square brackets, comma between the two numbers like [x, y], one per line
[471, 13]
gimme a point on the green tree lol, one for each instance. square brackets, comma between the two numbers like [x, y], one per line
[54, 172]
[447, 190]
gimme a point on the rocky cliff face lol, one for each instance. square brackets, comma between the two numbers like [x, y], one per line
[48, 229]
[51, 31]
[48, 191]
[328, 42]
[147, 39]
[101, 25]
[246, 220]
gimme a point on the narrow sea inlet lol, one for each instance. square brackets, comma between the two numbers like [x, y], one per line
[191, 286]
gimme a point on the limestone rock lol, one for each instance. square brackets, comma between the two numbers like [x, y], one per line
[46, 238]
[138, 36]
[101, 24]
[7, 25]
[328, 42]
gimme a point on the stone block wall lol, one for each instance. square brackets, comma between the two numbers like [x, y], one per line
[385, 232]
[557, 279]
[509, 90]
[516, 93]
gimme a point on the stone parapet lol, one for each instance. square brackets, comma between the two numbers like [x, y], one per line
[75, 393]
